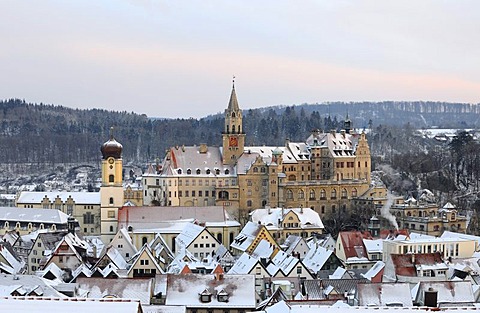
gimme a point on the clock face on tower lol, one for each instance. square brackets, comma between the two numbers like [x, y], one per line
[233, 142]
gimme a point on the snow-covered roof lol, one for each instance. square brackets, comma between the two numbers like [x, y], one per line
[127, 288]
[24, 284]
[188, 234]
[244, 264]
[384, 294]
[246, 236]
[32, 305]
[270, 217]
[36, 197]
[282, 262]
[373, 246]
[186, 290]
[316, 258]
[33, 215]
[374, 270]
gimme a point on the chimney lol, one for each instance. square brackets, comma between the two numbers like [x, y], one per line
[430, 297]
[203, 148]
[71, 224]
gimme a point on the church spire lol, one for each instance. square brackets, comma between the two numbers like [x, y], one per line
[233, 103]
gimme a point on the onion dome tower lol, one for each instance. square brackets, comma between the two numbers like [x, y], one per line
[111, 190]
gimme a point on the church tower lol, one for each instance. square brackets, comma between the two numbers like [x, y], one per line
[233, 135]
[111, 191]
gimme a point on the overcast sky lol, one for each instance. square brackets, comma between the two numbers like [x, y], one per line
[176, 58]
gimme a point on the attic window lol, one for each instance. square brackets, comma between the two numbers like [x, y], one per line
[206, 296]
[217, 171]
[179, 171]
[208, 171]
[189, 171]
[227, 172]
[222, 296]
[198, 171]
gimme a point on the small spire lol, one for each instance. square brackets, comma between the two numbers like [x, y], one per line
[111, 133]
[233, 103]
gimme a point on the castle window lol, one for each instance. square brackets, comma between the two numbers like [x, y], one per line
[354, 192]
[301, 194]
[323, 194]
[289, 194]
[111, 178]
[334, 194]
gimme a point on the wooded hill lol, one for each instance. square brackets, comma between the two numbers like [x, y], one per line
[39, 133]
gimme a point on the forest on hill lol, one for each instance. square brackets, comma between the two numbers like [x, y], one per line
[51, 134]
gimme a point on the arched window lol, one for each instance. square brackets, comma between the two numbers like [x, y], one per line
[231, 237]
[323, 194]
[292, 178]
[334, 194]
[334, 209]
[144, 240]
[354, 192]
[174, 244]
[264, 203]
[344, 193]
[301, 194]
[220, 237]
[111, 200]
[111, 228]
[255, 169]
[289, 194]
[262, 169]
[233, 129]
[111, 178]
[198, 171]
[233, 114]
[312, 194]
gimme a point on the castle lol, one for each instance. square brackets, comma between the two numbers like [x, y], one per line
[324, 173]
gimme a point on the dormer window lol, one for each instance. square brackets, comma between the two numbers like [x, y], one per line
[227, 172]
[198, 171]
[179, 171]
[208, 171]
[217, 171]
[189, 171]
[206, 296]
[222, 296]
